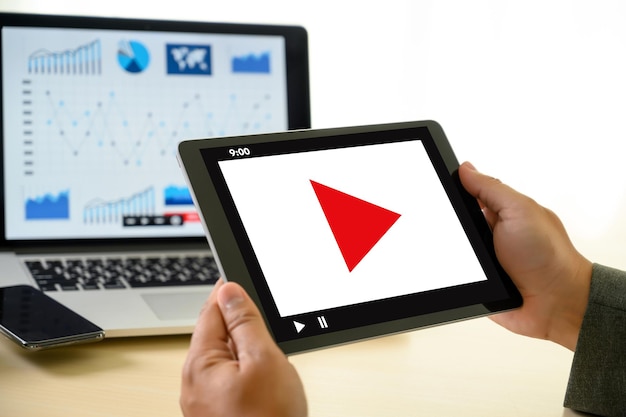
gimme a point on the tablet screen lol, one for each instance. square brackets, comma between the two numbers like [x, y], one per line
[344, 231]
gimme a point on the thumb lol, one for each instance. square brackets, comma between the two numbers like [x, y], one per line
[243, 321]
[490, 192]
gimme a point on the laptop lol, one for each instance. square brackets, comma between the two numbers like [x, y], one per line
[95, 210]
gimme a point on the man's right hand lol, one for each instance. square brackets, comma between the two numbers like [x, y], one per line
[534, 249]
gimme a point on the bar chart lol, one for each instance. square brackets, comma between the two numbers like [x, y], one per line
[83, 60]
[100, 211]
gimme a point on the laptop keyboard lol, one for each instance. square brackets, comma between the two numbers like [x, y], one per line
[90, 274]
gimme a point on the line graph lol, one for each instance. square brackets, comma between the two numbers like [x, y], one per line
[121, 131]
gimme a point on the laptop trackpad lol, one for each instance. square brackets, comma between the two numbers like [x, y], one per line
[176, 306]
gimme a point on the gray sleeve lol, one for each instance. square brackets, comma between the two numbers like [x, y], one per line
[597, 382]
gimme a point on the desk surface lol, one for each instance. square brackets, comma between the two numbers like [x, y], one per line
[472, 368]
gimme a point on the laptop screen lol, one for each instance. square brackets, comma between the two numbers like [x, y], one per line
[93, 109]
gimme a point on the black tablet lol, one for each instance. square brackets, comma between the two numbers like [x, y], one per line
[345, 234]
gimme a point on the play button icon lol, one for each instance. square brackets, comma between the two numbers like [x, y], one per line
[299, 326]
[357, 225]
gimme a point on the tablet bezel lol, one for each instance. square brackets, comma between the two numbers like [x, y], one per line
[237, 262]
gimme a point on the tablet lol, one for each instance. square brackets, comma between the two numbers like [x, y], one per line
[345, 234]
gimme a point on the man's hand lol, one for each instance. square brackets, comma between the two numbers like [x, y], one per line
[233, 367]
[534, 249]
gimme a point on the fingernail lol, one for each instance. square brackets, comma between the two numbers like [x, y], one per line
[470, 166]
[230, 295]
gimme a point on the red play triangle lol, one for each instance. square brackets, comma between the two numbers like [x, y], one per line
[356, 224]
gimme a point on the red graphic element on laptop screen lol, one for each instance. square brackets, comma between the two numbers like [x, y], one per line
[356, 224]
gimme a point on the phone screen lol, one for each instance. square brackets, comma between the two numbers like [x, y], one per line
[36, 321]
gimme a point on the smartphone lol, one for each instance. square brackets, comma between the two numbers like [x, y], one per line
[36, 321]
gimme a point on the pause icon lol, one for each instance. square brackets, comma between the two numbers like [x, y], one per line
[322, 321]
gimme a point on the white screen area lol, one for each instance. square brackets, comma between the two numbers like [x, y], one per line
[92, 119]
[424, 249]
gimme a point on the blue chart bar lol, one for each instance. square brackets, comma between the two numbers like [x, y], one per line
[48, 207]
[84, 60]
[176, 196]
[139, 204]
[259, 64]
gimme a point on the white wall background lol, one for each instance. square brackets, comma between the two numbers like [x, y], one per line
[532, 92]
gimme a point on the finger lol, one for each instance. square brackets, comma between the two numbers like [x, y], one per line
[491, 192]
[210, 332]
[244, 323]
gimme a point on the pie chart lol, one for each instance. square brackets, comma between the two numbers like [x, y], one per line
[133, 56]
